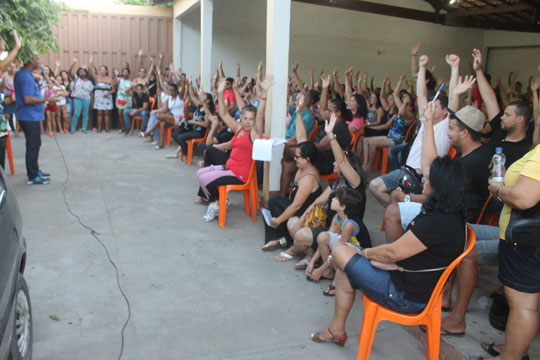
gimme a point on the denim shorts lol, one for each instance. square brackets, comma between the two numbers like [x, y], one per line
[391, 179]
[487, 244]
[378, 285]
[519, 267]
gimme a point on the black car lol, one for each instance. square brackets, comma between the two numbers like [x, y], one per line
[15, 309]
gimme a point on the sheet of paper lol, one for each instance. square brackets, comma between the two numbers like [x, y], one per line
[262, 148]
[267, 216]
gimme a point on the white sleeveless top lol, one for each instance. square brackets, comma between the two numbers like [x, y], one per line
[176, 106]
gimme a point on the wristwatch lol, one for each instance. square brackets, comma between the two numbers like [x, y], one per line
[407, 198]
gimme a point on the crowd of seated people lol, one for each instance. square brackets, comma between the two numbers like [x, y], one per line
[333, 133]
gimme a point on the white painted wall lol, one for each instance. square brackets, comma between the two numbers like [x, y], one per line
[323, 37]
[512, 51]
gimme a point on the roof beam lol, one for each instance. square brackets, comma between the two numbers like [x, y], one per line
[494, 10]
[450, 19]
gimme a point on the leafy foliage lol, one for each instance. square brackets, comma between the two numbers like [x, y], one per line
[35, 21]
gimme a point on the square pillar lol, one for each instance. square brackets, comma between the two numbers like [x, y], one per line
[278, 23]
[177, 41]
[207, 9]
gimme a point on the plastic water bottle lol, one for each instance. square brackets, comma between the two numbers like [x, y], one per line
[483, 302]
[498, 161]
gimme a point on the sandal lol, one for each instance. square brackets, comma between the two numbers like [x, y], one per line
[302, 264]
[284, 257]
[339, 341]
[490, 349]
[158, 147]
[273, 245]
[201, 201]
[330, 290]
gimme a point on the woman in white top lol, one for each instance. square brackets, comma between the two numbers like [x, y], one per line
[82, 89]
[169, 115]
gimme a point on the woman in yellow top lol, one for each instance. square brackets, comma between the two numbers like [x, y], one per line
[519, 265]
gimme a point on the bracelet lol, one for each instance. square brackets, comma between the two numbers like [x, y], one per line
[331, 138]
[497, 193]
[365, 254]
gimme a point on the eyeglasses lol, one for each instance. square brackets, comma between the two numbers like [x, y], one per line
[296, 157]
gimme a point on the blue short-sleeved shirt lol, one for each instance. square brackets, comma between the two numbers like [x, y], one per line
[25, 85]
[309, 122]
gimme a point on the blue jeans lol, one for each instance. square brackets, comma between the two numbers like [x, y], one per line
[394, 156]
[80, 105]
[151, 122]
[378, 285]
[127, 118]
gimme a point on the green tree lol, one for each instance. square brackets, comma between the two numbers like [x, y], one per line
[35, 21]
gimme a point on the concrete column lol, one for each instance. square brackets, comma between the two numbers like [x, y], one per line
[278, 23]
[207, 9]
[177, 41]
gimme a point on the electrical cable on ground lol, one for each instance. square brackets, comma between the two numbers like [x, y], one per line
[95, 235]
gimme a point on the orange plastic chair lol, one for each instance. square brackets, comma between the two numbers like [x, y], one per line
[330, 178]
[251, 194]
[489, 218]
[430, 316]
[10, 154]
[190, 144]
[139, 118]
[354, 139]
[452, 152]
[168, 133]
[383, 152]
[313, 133]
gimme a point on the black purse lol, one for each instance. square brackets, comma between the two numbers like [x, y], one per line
[524, 227]
[410, 181]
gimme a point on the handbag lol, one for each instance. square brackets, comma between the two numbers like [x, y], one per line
[524, 227]
[498, 313]
[410, 181]
[316, 217]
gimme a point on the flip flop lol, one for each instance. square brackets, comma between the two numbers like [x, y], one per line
[321, 279]
[327, 292]
[284, 257]
[450, 333]
[271, 245]
[302, 264]
[171, 156]
[490, 349]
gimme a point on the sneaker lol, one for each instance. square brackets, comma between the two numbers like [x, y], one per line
[43, 175]
[38, 180]
[212, 212]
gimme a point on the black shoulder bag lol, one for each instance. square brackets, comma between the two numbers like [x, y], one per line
[524, 227]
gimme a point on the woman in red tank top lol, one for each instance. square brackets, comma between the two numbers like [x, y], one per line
[236, 170]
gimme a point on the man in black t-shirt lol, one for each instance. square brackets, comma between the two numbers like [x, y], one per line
[141, 108]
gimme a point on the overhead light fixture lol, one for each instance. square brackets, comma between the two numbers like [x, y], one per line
[453, 3]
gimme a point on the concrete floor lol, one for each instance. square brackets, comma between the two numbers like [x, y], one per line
[195, 291]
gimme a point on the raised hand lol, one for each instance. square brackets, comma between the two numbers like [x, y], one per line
[535, 84]
[301, 103]
[75, 59]
[415, 48]
[91, 60]
[18, 40]
[325, 79]
[329, 125]
[160, 55]
[424, 60]
[267, 83]
[140, 52]
[221, 85]
[429, 112]
[311, 71]
[402, 77]
[259, 68]
[349, 71]
[452, 60]
[477, 57]
[295, 67]
[58, 63]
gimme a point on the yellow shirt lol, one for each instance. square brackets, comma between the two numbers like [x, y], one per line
[529, 166]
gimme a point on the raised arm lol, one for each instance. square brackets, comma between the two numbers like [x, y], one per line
[421, 90]
[414, 59]
[92, 71]
[339, 88]
[225, 116]
[486, 92]
[192, 96]
[359, 89]
[221, 72]
[239, 98]
[429, 150]
[384, 103]
[348, 83]
[397, 97]
[453, 100]
[4, 64]
[346, 169]
[259, 120]
[299, 81]
[301, 134]
[71, 70]
[311, 78]
[461, 88]
[325, 80]
[502, 91]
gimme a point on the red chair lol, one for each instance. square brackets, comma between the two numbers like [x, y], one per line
[251, 194]
[139, 118]
[430, 316]
[10, 154]
[190, 144]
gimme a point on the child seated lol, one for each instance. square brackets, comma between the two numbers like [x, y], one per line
[344, 228]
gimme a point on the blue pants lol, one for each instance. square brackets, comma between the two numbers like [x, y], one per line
[153, 119]
[127, 118]
[378, 285]
[80, 105]
[394, 156]
[32, 133]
